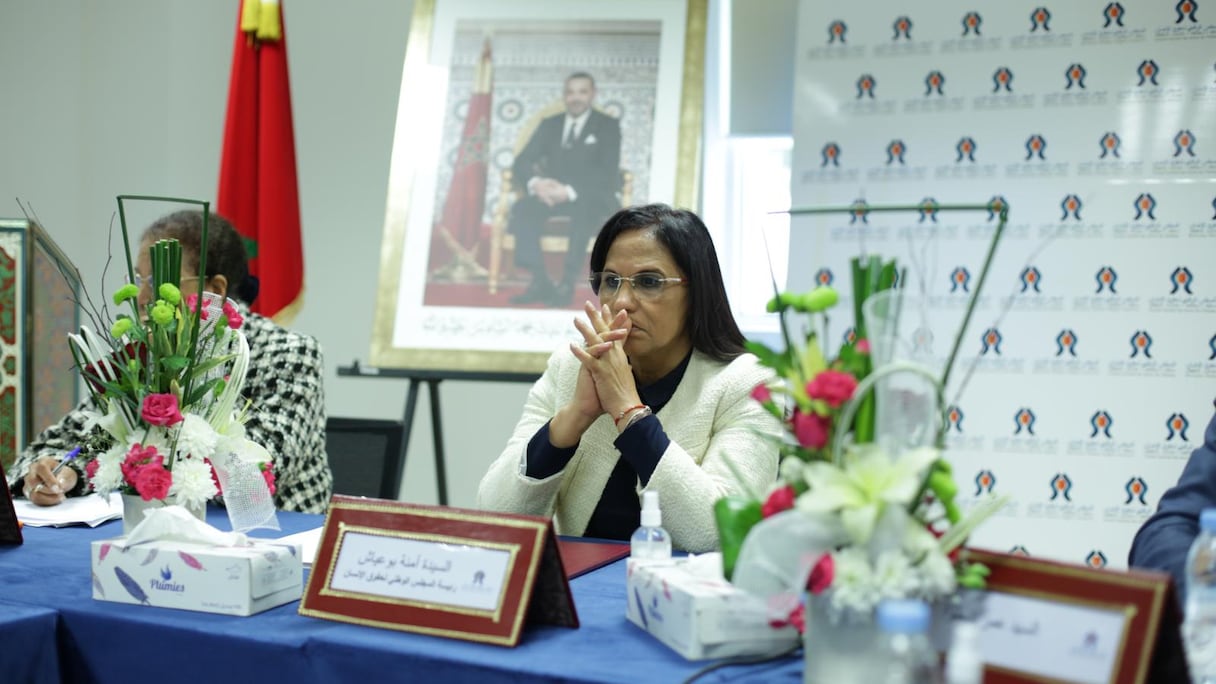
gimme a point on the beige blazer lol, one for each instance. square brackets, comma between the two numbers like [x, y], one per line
[711, 418]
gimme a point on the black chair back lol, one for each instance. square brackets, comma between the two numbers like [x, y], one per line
[365, 456]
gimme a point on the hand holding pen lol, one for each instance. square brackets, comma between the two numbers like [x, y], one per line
[49, 480]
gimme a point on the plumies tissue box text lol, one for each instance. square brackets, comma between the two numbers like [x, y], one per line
[687, 605]
[233, 580]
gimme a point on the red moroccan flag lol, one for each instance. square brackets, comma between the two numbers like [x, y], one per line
[460, 225]
[257, 190]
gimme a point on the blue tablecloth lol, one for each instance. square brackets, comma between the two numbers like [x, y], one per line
[46, 597]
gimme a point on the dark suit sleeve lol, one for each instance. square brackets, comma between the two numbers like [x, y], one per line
[1163, 541]
[532, 159]
[601, 178]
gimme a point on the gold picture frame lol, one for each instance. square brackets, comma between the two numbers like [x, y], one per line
[429, 318]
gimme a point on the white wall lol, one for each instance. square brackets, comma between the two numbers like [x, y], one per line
[128, 96]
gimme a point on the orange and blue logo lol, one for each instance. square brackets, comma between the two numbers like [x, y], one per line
[830, 154]
[1176, 426]
[1184, 142]
[1110, 145]
[824, 277]
[836, 31]
[1024, 420]
[996, 205]
[1030, 278]
[865, 86]
[1145, 206]
[1100, 423]
[1002, 78]
[1212, 346]
[960, 279]
[954, 418]
[1147, 71]
[1113, 12]
[895, 152]
[1106, 277]
[1186, 10]
[1096, 559]
[928, 210]
[1071, 206]
[903, 28]
[1136, 489]
[1035, 145]
[1061, 487]
[971, 23]
[1066, 342]
[1075, 73]
[984, 482]
[1040, 18]
[990, 341]
[965, 149]
[1181, 279]
[861, 211]
[1142, 343]
[850, 336]
[934, 82]
[1019, 550]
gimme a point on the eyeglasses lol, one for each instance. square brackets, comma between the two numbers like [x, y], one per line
[645, 285]
[141, 280]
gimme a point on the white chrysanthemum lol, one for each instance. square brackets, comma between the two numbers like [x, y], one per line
[937, 575]
[196, 437]
[109, 470]
[853, 588]
[791, 469]
[894, 576]
[192, 484]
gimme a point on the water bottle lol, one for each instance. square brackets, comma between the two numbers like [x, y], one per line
[1199, 627]
[909, 656]
[965, 661]
[650, 542]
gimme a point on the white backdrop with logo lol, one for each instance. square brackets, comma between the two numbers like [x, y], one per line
[1093, 350]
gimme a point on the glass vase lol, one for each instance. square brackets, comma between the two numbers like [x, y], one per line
[840, 645]
[134, 508]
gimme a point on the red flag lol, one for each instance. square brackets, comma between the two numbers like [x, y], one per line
[257, 190]
[460, 225]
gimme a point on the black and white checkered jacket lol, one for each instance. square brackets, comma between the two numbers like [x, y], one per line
[287, 416]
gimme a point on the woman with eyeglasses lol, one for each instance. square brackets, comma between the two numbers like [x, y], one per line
[285, 382]
[656, 397]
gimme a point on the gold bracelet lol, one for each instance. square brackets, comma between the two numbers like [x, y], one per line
[637, 415]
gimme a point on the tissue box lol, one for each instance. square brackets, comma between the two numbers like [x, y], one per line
[699, 614]
[233, 580]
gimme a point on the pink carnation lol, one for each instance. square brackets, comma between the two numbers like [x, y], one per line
[268, 475]
[822, 574]
[834, 387]
[161, 409]
[780, 500]
[811, 429]
[862, 346]
[762, 394]
[235, 320]
[153, 482]
[90, 468]
[139, 456]
[192, 305]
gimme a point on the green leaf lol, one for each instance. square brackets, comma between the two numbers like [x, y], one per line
[174, 363]
[735, 517]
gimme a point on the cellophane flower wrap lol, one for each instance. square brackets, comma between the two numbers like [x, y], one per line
[851, 517]
[166, 380]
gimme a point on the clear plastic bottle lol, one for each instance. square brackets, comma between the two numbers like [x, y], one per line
[965, 661]
[905, 631]
[1199, 627]
[650, 542]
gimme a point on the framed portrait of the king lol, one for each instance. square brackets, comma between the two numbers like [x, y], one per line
[521, 127]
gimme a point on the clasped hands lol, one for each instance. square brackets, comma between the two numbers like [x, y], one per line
[550, 191]
[42, 486]
[605, 382]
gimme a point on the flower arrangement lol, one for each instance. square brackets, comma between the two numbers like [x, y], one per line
[876, 518]
[167, 380]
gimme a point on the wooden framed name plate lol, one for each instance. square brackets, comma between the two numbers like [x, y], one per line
[435, 570]
[10, 527]
[1046, 621]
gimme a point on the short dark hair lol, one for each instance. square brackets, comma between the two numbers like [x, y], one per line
[709, 320]
[581, 74]
[226, 253]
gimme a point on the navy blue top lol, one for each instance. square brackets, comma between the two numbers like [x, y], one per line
[619, 511]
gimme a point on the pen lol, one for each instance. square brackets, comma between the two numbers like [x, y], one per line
[68, 457]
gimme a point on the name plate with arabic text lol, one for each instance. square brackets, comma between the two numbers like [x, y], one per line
[10, 527]
[436, 570]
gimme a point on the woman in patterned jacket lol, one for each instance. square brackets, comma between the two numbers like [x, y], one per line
[284, 384]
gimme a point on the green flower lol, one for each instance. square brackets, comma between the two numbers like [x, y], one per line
[121, 327]
[170, 293]
[122, 294]
[162, 313]
[820, 299]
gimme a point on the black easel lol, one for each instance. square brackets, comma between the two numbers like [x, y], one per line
[432, 378]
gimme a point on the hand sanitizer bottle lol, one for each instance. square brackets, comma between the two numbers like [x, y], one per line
[651, 542]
